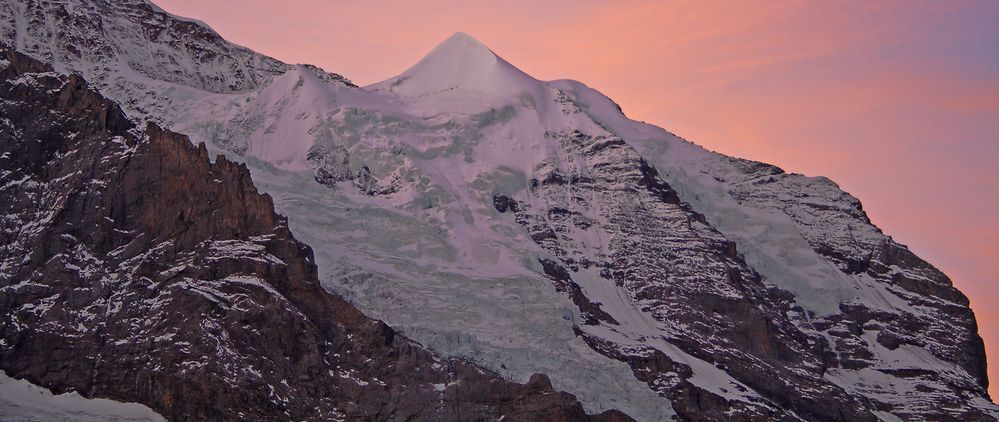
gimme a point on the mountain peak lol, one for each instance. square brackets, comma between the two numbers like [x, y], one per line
[459, 63]
[457, 58]
[460, 42]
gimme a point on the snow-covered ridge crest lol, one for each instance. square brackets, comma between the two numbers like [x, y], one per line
[105, 39]
[459, 63]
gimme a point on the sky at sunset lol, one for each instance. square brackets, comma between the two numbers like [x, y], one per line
[898, 102]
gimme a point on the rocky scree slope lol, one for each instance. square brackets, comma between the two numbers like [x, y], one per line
[134, 268]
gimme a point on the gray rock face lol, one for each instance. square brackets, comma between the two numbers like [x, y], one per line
[135, 269]
[932, 313]
[687, 276]
[841, 231]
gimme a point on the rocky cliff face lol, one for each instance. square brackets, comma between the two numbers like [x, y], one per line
[699, 294]
[932, 313]
[136, 269]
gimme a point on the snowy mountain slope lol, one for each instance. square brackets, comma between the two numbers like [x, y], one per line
[708, 276]
[133, 268]
[451, 317]
[21, 401]
[115, 38]
[868, 294]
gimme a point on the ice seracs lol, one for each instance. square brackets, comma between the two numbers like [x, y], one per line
[460, 63]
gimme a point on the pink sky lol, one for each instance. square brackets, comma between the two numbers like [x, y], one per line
[898, 102]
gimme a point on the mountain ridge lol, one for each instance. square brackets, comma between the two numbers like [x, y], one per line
[152, 274]
[428, 171]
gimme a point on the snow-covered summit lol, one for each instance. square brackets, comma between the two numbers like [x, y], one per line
[460, 63]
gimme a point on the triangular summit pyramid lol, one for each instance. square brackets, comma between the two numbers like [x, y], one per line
[459, 63]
